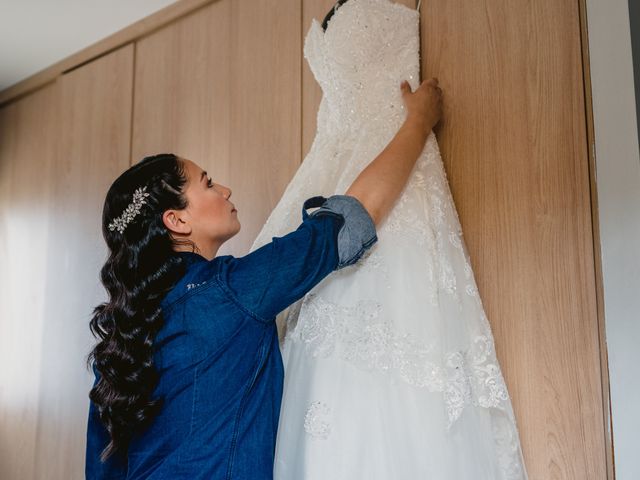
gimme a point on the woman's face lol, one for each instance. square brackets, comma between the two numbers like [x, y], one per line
[210, 218]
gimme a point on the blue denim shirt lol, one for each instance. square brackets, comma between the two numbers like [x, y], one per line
[221, 372]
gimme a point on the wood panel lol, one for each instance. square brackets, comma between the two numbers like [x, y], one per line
[515, 150]
[27, 151]
[92, 149]
[222, 88]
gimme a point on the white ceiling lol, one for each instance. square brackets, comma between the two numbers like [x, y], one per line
[35, 34]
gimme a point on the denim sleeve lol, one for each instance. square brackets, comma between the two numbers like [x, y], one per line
[272, 277]
[358, 232]
[97, 438]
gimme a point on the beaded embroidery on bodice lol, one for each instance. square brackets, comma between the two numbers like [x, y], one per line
[368, 48]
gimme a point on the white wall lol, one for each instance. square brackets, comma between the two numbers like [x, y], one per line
[618, 182]
[35, 34]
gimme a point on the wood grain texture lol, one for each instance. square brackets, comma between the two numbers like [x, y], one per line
[514, 145]
[92, 149]
[27, 153]
[595, 214]
[222, 88]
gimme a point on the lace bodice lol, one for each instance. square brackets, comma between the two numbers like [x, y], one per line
[368, 48]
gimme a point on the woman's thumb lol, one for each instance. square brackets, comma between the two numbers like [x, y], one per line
[405, 87]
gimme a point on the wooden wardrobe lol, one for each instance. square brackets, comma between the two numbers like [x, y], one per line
[225, 84]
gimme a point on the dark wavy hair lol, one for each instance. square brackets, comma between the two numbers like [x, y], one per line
[140, 269]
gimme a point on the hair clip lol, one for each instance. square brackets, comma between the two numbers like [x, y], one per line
[131, 211]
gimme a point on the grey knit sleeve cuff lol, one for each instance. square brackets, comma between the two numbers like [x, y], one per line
[358, 232]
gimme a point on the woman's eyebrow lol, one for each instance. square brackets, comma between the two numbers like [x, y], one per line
[203, 174]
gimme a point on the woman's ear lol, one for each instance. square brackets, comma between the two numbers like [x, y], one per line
[174, 222]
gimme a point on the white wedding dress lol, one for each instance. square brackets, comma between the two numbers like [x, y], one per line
[390, 366]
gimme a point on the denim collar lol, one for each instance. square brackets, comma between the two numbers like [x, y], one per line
[191, 257]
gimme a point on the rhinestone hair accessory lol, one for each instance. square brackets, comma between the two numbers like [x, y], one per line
[131, 211]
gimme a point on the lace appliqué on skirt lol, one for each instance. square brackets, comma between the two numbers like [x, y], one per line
[361, 336]
[315, 420]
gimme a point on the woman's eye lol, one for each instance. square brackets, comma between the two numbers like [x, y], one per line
[210, 183]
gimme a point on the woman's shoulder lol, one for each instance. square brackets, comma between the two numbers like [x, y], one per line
[200, 274]
[223, 279]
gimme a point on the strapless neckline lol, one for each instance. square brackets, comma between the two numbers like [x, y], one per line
[315, 23]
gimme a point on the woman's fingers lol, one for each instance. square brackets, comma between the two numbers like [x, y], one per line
[425, 102]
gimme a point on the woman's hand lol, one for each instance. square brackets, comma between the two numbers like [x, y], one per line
[425, 104]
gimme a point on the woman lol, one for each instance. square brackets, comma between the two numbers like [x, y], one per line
[188, 372]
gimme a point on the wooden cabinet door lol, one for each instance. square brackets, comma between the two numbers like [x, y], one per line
[27, 154]
[515, 147]
[222, 87]
[92, 149]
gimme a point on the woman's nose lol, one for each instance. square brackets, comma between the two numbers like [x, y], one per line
[228, 194]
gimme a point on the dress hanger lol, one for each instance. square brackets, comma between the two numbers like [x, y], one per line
[331, 12]
[338, 4]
